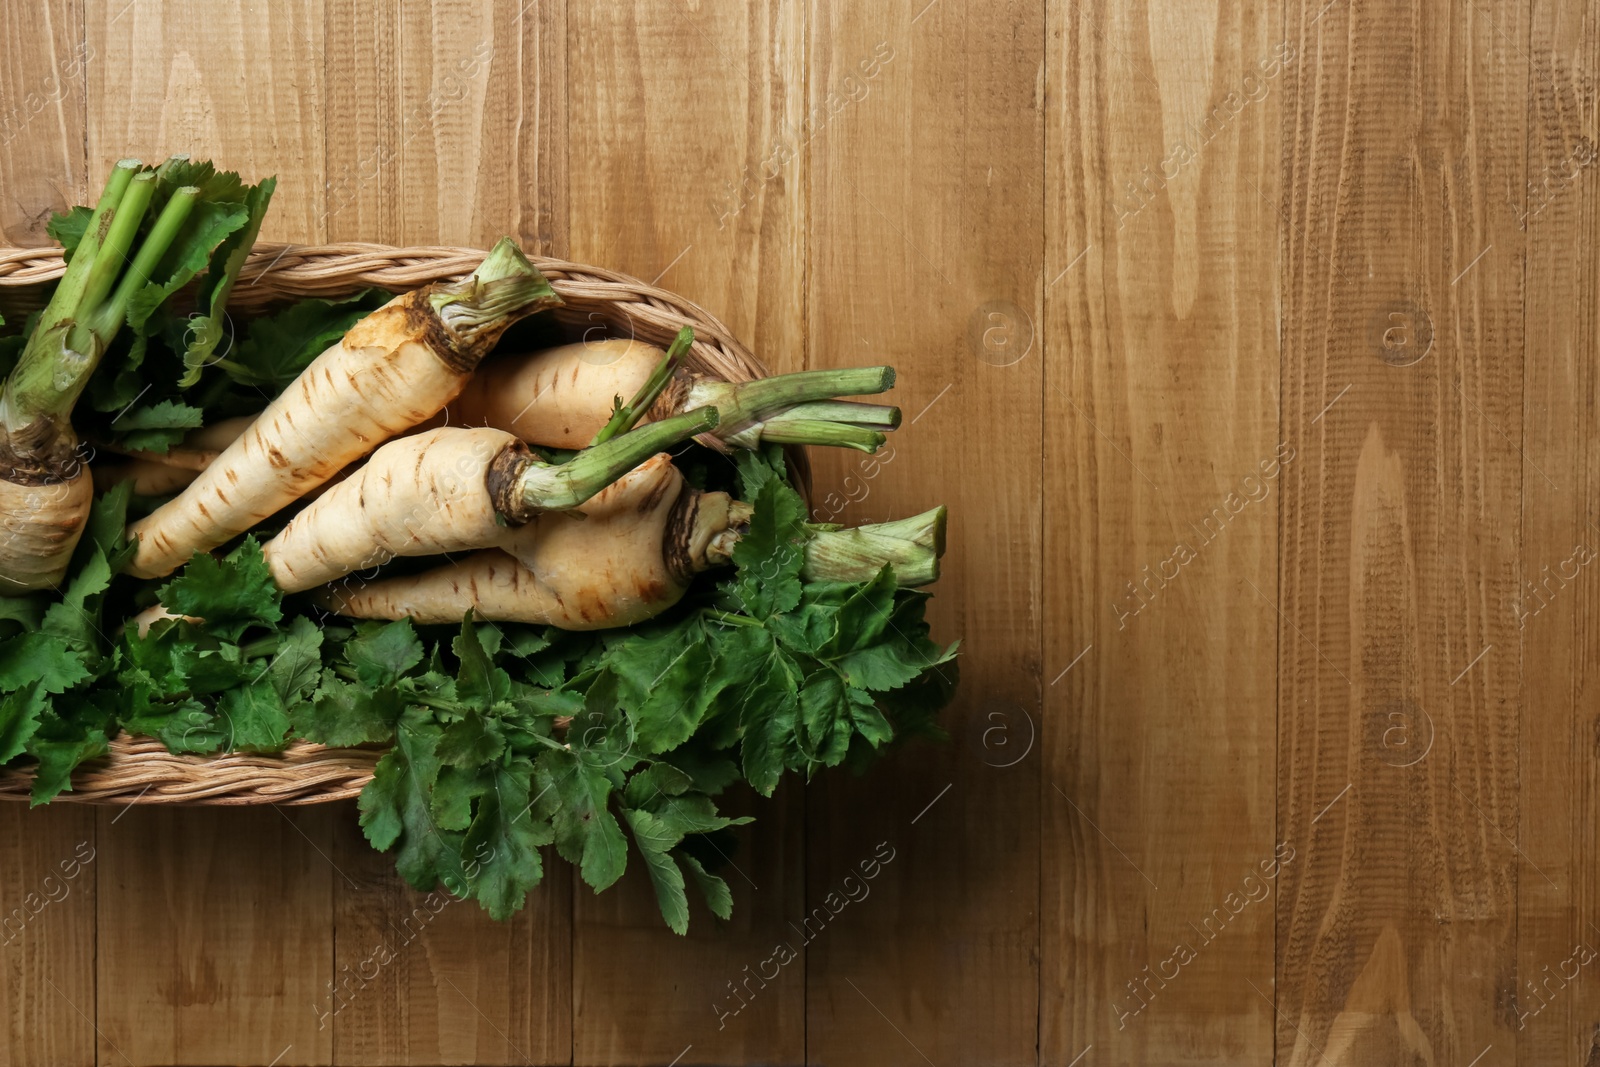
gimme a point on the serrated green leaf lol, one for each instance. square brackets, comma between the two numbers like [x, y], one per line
[770, 555]
[396, 806]
[662, 682]
[341, 714]
[472, 741]
[501, 858]
[654, 840]
[296, 667]
[769, 714]
[230, 594]
[42, 658]
[479, 684]
[255, 717]
[715, 891]
[279, 346]
[19, 720]
[382, 652]
[68, 229]
[572, 794]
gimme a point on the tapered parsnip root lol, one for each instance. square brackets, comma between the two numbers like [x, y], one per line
[562, 397]
[39, 528]
[629, 557]
[449, 490]
[421, 495]
[394, 369]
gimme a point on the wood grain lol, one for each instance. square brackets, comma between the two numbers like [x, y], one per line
[1398, 667]
[671, 107]
[47, 947]
[446, 122]
[425, 978]
[1162, 488]
[214, 942]
[47, 935]
[42, 92]
[1374, 267]
[1556, 995]
[227, 83]
[927, 140]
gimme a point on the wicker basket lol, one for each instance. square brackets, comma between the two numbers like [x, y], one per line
[141, 770]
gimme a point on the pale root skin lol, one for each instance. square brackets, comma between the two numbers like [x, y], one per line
[379, 380]
[421, 495]
[559, 397]
[608, 568]
[40, 526]
[149, 477]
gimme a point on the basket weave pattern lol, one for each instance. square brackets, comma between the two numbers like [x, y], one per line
[140, 769]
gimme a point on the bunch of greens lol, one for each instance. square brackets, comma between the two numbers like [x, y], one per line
[501, 738]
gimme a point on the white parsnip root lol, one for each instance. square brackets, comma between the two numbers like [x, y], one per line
[40, 525]
[628, 556]
[394, 369]
[449, 490]
[613, 565]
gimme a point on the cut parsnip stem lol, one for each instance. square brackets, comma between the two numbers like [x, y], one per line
[562, 397]
[449, 490]
[913, 547]
[394, 369]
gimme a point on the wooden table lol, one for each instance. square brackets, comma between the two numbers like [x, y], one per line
[1253, 349]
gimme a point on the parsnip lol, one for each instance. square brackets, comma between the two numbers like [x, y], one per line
[562, 397]
[391, 371]
[629, 557]
[450, 490]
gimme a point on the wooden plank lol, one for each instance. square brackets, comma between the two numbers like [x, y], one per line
[47, 935]
[46, 917]
[445, 125]
[242, 87]
[926, 135]
[672, 109]
[1556, 996]
[41, 118]
[1162, 493]
[1399, 676]
[426, 978]
[216, 925]
[214, 942]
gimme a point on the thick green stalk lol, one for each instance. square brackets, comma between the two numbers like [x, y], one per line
[782, 430]
[69, 290]
[911, 546]
[850, 412]
[112, 257]
[629, 414]
[98, 323]
[748, 408]
[560, 486]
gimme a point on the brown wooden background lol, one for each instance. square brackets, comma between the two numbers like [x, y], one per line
[1253, 347]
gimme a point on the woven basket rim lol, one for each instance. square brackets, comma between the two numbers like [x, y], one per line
[140, 770]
